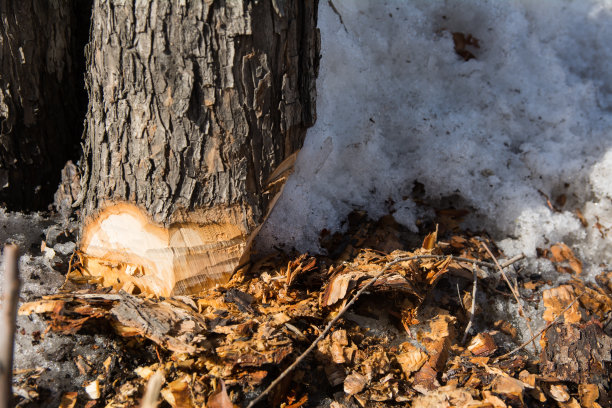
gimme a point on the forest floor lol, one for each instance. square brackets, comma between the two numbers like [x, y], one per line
[436, 323]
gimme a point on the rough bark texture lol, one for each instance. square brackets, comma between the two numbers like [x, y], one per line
[580, 354]
[194, 104]
[41, 109]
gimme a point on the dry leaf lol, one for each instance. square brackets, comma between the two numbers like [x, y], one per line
[219, 398]
[339, 286]
[425, 380]
[492, 400]
[39, 306]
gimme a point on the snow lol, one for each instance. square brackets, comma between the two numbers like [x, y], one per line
[36, 349]
[530, 117]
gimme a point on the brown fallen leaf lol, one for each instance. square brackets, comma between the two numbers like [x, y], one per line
[219, 397]
[39, 306]
[594, 299]
[339, 341]
[92, 390]
[572, 403]
[490, 400]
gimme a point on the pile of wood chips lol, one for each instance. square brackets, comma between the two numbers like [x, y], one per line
[401, 344]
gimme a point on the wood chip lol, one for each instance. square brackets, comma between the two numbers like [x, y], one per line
[93, 390]
[354, 383]
[559, 392]
[482, 344]
[411, 359]
[589, 394]
[556, 300]
[561, 253]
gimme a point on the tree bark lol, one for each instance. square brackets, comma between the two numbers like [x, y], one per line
[193, 106]
[40, 105]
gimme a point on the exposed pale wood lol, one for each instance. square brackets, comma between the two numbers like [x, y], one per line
[8, 322]
[124, 245]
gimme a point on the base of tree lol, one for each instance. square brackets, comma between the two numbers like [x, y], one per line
[129, 251]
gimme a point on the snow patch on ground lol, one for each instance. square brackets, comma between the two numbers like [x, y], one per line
[35, 348]
[530, 116]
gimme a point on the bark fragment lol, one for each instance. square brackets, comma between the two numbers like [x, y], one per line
[580, 354]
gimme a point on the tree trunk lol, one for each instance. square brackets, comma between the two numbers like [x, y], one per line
[40, 114]
[193, 106]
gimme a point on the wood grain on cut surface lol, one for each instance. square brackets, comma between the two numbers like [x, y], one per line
[124, 245]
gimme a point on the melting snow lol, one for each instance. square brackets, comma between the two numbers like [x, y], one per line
[530, 116]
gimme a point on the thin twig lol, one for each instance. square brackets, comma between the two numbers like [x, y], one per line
[348, 305]
[512, 260]
[460, 298]
[151, 395]
[514, 291]
[556, 319]
[9, 306]
[473, 308]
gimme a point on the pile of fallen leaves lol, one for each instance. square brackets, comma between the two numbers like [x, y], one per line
[416, 337]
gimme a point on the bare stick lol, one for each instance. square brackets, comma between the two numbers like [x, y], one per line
[473, 308]
[151, 395]
[349, 304]
[9, 314]
[508, 354]
[514, 291]
[512, 260]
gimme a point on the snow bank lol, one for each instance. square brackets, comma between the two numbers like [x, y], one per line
[530, 116]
